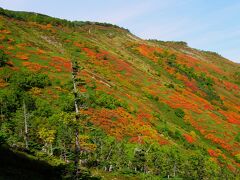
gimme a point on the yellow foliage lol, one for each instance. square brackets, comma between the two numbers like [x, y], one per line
[85, 145]
[238, 156]
[193, 134]
[36, 91]
[46, 135]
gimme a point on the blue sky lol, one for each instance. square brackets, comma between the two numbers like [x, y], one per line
[204, 24]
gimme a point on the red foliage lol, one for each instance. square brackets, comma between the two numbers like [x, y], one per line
[124, 66]
[89, 52]
[219, 141]
[189, 138]
[230, 86]
[212, 153]
[101, 55]
[192, 85]
[144, 116]
[208, 107]
[199, 65]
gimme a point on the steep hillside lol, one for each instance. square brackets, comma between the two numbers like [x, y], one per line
[151, 108]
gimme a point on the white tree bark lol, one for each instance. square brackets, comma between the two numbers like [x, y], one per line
[25, 125]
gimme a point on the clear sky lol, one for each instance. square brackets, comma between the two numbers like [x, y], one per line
[212, 25]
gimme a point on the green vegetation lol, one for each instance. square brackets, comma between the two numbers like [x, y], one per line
[204, 83]
[75, 104]
[3, 58]
[102, 99]
[179, 113]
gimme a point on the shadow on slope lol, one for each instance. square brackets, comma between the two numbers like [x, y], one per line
[15, 165]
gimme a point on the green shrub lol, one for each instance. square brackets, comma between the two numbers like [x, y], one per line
[152, 97]
[27, 80]
[102, 99]
[3, 58]
[108, 101]
[179, 113]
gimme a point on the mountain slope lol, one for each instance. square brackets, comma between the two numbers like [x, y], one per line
[147, 94]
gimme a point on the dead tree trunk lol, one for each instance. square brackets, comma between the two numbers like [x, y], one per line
[25, 125]
[174, 169]
[77, 144]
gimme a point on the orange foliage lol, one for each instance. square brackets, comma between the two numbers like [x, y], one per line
[2, 37]
[232, 117]
[10, 48]
[120, 124]
[144, 116]
[42, 26]
[2, 83]
[208, 134]
[231, 168]
[22, 56]
[34, 66]
[76, 44]
[179, 101]
[5, 31]
[219, 141]
[89, 52]
[10, 63]
[52, 94]
[189, 138]
[22, 45]
[40, 51]
[215, 118]
[61, 63]
[148, 51]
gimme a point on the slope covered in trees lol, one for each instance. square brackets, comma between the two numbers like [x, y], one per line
[116, 105]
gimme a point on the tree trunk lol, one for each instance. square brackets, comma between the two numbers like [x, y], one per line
[1, 111]
[77, 144]
[25, 125]
[174, 169]
[109, 153]
[51, 149]
[64, 153]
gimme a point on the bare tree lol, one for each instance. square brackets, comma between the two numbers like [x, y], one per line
[25, 124]
[77, 144]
